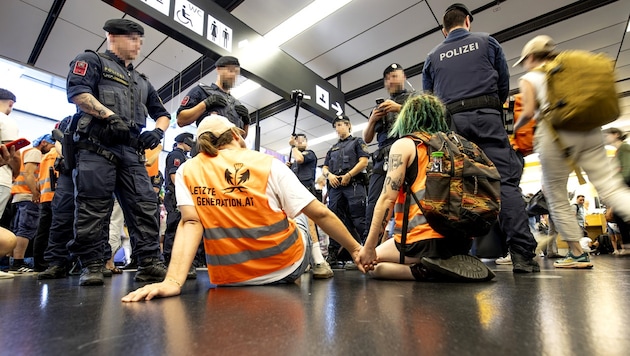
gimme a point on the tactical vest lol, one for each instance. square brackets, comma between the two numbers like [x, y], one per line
[19, 185]
[383, 126]
[343, 156]
[243, 237]
[306, 171]
[228, 111]
[122, 91]
[418, 228]
[462, 69]
[46, 181]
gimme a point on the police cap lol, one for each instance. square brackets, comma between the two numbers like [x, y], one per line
[341, 118]
[6, 95]
[390, 68]
[183, 136]
[123, 27]
[461, 7]
[227, 61]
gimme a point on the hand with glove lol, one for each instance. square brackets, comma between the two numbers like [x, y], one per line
[151, 139]
[242, 111]
[215, 100]
[117, 130]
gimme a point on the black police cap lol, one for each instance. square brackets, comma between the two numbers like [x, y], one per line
[123, 27]
[227, 61]
[461, 7]
[392, 67]
[183, 136]
[340, 118]
[6, 95]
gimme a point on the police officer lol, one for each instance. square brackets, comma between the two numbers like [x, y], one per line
[344, 169]
[173, 160]
[380, 122]
[305, 161]
[469, 73]
[113, 101]
[203, 100]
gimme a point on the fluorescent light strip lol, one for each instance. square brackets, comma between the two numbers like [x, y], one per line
[302, 20]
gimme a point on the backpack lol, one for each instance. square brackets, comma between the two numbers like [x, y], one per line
[522, 140]
[580, 91]
[464, 198]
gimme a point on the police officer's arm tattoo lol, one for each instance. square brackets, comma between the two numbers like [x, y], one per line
[90, 105]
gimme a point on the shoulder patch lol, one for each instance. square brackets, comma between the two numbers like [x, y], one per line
[177, 162]
[80, 68]
[185, 100]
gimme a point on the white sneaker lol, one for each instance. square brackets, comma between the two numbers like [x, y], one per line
[507, 260]
[322, 270]
[6, 275]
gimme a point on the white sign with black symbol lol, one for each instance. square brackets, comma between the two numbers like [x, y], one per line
[163, 6]
[189, 15]
[321, 97]
[219, 34]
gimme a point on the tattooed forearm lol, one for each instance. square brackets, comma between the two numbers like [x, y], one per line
[388, 179]
[88, 104]
[395, 161]
[396, 183]
[385, 221]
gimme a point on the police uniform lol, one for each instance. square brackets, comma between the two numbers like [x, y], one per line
[305, 171]
[173, 160]
[347, 202]
[104, 167]
[200, 92]
[381, 155]
[469, 73]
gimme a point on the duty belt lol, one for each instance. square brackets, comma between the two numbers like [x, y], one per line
[480, 102]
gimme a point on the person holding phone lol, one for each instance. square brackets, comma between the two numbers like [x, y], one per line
[380, 122]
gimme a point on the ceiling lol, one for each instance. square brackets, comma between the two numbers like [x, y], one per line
[350, 48]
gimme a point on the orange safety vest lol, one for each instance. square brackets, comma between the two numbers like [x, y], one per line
[19, 185]
[45, 181]
[243, 237]
[417, 229]
[153, 169]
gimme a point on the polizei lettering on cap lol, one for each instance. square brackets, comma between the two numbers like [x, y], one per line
[458, 51]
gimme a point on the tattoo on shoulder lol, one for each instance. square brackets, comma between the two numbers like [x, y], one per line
[395, 161]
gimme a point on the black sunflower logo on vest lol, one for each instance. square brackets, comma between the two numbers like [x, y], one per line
[231, 179]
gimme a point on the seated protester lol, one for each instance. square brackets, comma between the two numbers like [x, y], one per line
[242, 202]
[429, 256]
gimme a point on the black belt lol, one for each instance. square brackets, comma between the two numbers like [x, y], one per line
[480, 102]
[93, 147]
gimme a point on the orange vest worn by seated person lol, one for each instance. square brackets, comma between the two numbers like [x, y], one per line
[243, 237]
[45, 181]
[19, 184]
[418, 228]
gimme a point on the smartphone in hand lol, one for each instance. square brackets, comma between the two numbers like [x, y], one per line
[19, 143]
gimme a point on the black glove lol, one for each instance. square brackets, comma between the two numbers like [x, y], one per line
[214, 100]
[117, 130]
[242, 111]
[151, 139]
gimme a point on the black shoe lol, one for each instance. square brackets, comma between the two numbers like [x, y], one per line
[463, 268]
[192, 273]
[92, 275]
[107, 273]
[53, 272]
[520, 264]
[151, 270]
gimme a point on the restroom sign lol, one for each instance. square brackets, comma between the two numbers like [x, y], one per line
[219, 34]
[189, 15]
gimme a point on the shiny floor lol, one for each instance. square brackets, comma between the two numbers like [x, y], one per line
[555, 312]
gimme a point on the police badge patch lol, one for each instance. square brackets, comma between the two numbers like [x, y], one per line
[176, 162]
[184, 101]
[80, 68]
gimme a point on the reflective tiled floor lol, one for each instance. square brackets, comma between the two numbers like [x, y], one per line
[556, 312]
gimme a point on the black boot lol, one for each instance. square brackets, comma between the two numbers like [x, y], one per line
[92, 275]
[150, 269]
[54, 272]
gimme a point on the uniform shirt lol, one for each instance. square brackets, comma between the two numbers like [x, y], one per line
[383, 126]
[305, 171]
[8, 132]
[345, 154]
[174, 160]
[460, 56]
[85, 75]
[197, 94]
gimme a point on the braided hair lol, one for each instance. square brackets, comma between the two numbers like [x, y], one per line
[421, 113]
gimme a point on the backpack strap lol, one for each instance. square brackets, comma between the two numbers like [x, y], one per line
[570, 161]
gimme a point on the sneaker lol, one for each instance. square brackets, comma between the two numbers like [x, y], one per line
[507, 260]
[571, 261]
[92, 275]
[521, 264]
[6, 275]
[464, 268]
[53, 272]
[192, 272]
[21, 268]
[350, 266]
[151, 270]
[322, 271]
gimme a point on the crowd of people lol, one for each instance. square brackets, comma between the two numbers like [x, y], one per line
[253, 220]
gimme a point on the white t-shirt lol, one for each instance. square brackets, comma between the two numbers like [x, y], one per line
[9, 131]
[537, 80]
[284, 192]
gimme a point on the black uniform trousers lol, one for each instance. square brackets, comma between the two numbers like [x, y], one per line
[173, 216]
[485, 128]
[377, 179]
[348, 203]
[96, 178]
[40, 242]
